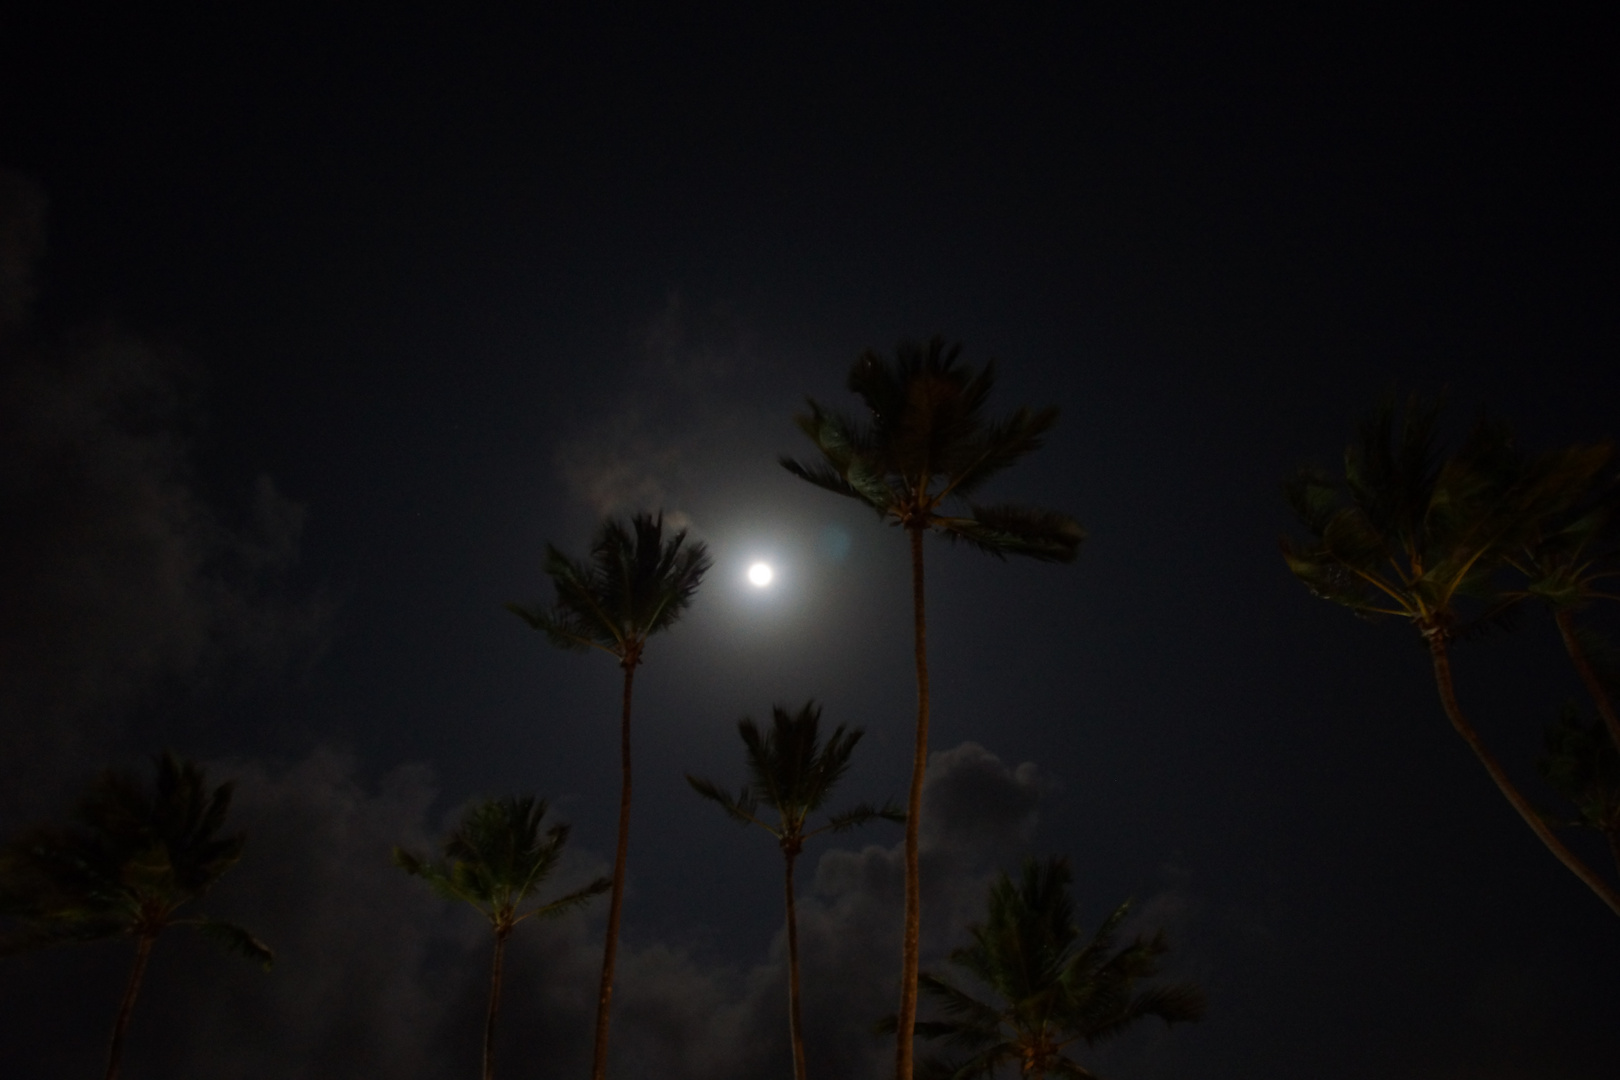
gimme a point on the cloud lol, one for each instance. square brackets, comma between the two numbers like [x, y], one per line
[375, 976]
[644, 453]
[121, 579]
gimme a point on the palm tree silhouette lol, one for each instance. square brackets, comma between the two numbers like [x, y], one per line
[792, 773]
[633, 584]
[134, 857]
[925, 451]
[1410, 534]
[1567, 557]
[1054, 989]
[497, 858]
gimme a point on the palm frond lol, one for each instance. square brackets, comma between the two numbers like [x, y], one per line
[740, 807]
[1033, 532]
[137, 852]
[237, 940]
[574, 900]
[863, 813]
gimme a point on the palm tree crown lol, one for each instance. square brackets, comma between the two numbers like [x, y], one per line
[135, 855]
[633, 584]
[497, 858]
[928, 445]
[792, 773]
[1411, 533]
[1055, 988]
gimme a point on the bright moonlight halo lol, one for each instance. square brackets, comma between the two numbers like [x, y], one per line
[760, 575]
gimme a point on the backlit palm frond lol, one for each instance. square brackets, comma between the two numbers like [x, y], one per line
[237, 940]
[1033, 532]
[863, 813]
[740, 807]
[1573, 549]
[1314, 497]
[665, 577]
[574, 900]
[575, 619]
[634, 583]
[1393, 469]
[851, 465]
[997, 448]
[972, 1018]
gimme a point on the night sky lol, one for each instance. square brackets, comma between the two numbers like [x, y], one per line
[341, 318]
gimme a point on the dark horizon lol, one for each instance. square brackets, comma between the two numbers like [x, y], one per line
[339, 318]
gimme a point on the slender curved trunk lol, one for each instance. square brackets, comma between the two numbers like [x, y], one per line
[1448, 699]
[906, 1022]
[795, 1020]
[494, 1003]
[115, 1052]
[610, 953]
[1583, 666]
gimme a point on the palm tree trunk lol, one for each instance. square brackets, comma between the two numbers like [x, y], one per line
[115, 1053]
[1594, 686]
[1448, 700]
[906, 1021]
[494, 1003]
[795, 1020]
[610, 953]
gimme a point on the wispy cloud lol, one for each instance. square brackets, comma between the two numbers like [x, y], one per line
[645, 452]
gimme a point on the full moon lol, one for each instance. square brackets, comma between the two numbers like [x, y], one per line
[760, 574]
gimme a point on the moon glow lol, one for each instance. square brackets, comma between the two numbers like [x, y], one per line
[760, 575]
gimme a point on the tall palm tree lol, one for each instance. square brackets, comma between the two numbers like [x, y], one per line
[1054, 988]
[1583, 765]
[792, 773]
[496, 859]
[633, 584]
[926, 449]
[1412, 534]
[135, 855]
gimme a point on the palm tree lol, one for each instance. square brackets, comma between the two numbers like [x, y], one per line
[793, 774]
[1412, 535]
[134, 857]
[1569, 556]
[1054, 988]
[633, 584]
[496, 859]
[925, 451]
